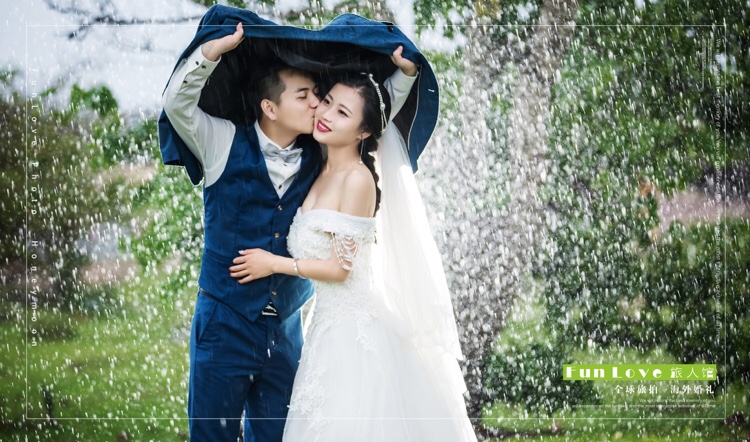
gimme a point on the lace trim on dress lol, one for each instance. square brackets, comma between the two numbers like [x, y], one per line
[310, 395]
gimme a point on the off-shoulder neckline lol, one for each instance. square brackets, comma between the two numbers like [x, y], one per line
[362, 218]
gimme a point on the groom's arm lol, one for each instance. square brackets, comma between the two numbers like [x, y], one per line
[208, 138]
[398, 86]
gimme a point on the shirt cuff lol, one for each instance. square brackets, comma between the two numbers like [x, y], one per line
[399, 77]
[199, 64]
[400, 80]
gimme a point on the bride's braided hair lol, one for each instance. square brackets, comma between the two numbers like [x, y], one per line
[375, 114]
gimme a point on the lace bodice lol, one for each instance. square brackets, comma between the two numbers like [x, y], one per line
[316, 234]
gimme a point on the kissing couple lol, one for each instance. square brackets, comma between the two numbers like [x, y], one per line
[282, 126]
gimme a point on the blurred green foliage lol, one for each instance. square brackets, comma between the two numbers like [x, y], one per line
[243, 4]
[531, 376]
[62, 171]
[171, 209]
[634, 113]
[696, 297]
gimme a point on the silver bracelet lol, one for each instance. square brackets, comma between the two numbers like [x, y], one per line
[296, 270]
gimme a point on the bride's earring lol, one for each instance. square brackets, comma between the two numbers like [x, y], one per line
[361, 150]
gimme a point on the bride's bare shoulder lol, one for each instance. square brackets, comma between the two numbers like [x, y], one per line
[358, 194]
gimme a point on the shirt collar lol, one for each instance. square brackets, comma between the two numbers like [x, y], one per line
[268, 146]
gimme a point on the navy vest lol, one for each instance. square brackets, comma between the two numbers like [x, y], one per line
[243, 211]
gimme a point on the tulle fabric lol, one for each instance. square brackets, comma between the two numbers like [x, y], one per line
[382, 394]
[408, 265]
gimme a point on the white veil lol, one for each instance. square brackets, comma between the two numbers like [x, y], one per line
[414, 285]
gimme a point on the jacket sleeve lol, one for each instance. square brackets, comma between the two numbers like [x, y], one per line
[398, 86]
[208, 138]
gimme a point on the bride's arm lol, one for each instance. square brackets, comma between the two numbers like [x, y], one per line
[258, 263]
[399, 84]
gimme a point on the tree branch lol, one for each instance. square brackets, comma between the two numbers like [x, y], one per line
[89, 19]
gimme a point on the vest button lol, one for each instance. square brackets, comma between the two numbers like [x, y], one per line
[273, 293]
[276, 235]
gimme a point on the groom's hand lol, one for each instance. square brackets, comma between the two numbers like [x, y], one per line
[407, 66]
[213, 49]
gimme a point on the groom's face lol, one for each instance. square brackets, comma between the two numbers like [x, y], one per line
[295, 110]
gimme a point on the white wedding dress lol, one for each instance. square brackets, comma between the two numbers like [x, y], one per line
[359, 378]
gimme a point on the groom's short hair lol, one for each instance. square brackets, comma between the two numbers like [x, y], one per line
[269, 85]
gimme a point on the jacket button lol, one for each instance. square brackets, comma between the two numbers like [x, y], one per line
[273, 293]
[280, 208]
[276, 235]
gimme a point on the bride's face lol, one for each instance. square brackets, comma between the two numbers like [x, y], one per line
[338, 118]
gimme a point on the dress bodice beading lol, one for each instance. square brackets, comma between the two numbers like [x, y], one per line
[316, 234]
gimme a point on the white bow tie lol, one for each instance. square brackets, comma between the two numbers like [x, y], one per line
[289, 155]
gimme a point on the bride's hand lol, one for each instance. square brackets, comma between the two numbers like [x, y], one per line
[407, 66]
[252, 264]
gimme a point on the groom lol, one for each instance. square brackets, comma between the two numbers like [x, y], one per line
[246, 339]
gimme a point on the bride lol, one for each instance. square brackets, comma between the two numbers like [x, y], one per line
[379, 361]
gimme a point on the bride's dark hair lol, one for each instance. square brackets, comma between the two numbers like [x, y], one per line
[372, 120]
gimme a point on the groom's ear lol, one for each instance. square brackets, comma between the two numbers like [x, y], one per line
[269, 109]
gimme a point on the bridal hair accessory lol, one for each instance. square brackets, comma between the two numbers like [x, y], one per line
[383, 120]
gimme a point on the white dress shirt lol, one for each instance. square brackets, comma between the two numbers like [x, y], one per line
[282, 163]
[210, 138]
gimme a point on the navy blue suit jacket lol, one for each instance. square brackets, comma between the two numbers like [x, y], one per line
[350, 43]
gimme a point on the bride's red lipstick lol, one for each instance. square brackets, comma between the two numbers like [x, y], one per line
[322, 127]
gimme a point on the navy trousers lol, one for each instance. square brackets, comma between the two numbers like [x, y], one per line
[237, 365]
